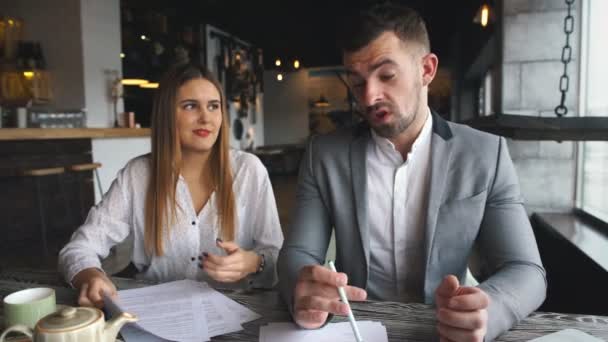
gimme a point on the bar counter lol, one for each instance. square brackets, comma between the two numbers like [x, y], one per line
[16, 134]
[61, 200]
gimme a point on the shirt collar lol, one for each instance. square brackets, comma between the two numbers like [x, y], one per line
[388, 148]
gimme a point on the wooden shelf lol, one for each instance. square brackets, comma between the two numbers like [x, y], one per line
[11, 134]
[522, 127]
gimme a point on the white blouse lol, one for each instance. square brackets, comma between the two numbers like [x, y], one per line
[121, 212]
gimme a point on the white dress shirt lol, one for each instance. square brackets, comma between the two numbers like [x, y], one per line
[397, 204]
[121, 212]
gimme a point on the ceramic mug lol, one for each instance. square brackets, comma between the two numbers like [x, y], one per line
[27, 307]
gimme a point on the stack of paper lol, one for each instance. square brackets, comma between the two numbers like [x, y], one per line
[567, 335]
[183, 310]
[332, 332]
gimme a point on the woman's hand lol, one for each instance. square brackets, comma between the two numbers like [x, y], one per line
[93, 285]
[238, 264]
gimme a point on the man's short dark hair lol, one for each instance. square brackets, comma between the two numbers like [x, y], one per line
[364, 25]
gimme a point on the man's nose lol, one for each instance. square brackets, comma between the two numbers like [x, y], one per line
[372, 94]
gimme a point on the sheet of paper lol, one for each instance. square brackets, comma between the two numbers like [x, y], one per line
[332, 332]
[567, 335]
[193, 310]
[166, 314]
[220, 319]
[244, 313]
[131, 333]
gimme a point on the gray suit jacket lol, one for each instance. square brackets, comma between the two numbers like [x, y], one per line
[474, 207]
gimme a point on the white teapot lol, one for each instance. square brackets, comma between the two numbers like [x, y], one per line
[72, 324]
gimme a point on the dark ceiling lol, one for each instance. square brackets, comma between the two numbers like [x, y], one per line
[305, 30]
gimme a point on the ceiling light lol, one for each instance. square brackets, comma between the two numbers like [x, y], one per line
[483, 15]
[150, 85]
[133, 81]
[322, 102]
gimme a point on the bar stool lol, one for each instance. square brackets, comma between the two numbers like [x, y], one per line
[80, 169]
[113, 257]
[37, 174]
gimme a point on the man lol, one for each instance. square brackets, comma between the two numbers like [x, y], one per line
[410, 197]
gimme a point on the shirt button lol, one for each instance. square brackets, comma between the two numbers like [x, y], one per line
[194, 223]
[193, 258]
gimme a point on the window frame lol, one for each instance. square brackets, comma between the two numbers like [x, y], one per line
[583, 55]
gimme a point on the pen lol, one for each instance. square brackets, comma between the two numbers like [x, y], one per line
[351, 317]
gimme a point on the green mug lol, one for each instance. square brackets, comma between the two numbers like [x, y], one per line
[28, 306]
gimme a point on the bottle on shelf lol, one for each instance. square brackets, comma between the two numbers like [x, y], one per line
[30, 58]
[20, 56]
[39, 60]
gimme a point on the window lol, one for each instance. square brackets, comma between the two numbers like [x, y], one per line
[593, 155]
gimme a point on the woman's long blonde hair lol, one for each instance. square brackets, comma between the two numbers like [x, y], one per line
[165, 161]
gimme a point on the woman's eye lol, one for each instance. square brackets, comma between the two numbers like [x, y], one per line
[189, 106]
[387, 77]
[213, 106]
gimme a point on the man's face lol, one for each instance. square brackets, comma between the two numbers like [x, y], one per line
[386, 77]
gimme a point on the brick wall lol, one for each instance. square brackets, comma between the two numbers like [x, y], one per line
[532, 46]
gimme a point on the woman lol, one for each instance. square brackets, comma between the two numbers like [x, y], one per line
[195, 208]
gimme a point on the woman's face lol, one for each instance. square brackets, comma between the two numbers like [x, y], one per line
[199, 115]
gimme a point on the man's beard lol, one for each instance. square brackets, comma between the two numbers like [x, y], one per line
[392, 129]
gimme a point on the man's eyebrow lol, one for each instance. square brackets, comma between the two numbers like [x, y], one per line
[372, 67]
[380, 63]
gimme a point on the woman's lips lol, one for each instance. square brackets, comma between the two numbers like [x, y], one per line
[202, 132]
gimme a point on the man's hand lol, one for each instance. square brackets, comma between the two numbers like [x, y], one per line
[461, 311]
[316, 295]
[93, 285]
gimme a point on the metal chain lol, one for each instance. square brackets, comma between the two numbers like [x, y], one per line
[564, 80]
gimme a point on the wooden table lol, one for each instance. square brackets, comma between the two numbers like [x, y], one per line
[404, 322]
[12, 134]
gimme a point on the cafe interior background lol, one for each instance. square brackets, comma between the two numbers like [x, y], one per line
[77, 78]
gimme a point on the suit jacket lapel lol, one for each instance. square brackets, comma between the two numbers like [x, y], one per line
[358, 158]
[441, 148]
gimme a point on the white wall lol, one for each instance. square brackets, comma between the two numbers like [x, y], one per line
[286, 108]
[101, 49]
[80, 40]
[56, 25]
[114, 154]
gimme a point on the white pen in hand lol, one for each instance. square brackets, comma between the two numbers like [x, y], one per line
[351, 317]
